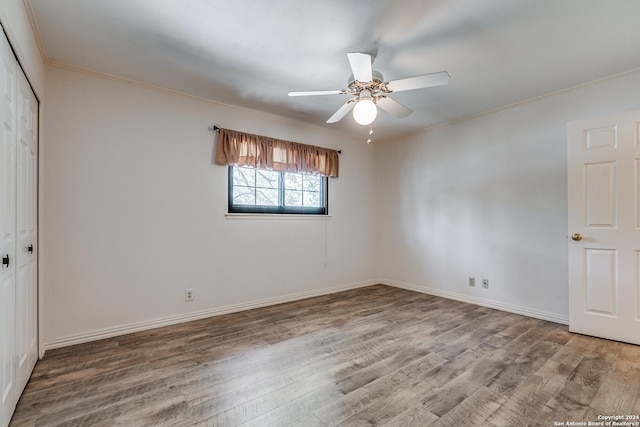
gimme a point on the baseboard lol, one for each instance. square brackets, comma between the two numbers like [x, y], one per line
[552, 317]
[188, 317]
[218, 311]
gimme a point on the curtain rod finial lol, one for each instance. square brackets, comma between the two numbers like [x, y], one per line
[214, 128]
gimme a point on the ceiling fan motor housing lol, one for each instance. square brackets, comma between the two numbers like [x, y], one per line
[356, 86]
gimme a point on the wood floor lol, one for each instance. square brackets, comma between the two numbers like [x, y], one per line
[371, 356]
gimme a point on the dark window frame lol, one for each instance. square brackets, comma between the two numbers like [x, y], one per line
[281, 209]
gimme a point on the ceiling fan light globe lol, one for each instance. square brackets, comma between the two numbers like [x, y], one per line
[365, 112]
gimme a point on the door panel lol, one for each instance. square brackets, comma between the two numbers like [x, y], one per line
[606, 137]
[604, 196]
[26, 238]
[7, 368]
[601, 281]
[8, 111]
[637, 285]
[636, 191]
[600, 189]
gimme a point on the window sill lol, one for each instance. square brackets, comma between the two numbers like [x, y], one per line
[275, 216]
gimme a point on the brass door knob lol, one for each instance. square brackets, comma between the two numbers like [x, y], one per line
[577, 237]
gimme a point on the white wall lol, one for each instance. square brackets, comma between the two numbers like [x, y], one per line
[135, 208]
[135, 212]
[487, 197]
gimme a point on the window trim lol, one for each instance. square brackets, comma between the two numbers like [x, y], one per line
[277, 210]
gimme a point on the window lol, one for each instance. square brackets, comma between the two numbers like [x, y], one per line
[265, 191]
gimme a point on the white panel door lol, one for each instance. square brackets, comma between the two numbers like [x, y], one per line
[8, 111]
[26, 284]
[604, 226]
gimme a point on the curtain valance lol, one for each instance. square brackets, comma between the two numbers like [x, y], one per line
[245, 149]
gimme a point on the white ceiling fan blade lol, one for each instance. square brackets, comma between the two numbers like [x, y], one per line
[318, 92]
[418, 82]
[360, 66]
[342, 111]
[394, 107]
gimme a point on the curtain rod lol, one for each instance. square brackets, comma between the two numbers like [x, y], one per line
[215, 128]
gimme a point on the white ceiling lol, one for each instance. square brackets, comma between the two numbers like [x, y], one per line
[250, 53]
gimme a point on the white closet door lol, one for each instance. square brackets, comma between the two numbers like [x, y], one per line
[26, 285]
[8, 120]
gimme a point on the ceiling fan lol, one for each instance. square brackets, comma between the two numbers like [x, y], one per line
[370, 90]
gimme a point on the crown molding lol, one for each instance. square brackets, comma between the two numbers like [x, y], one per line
[36, 30]
[509, 106]
[155, 88]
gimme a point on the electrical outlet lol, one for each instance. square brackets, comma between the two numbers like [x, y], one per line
[485, 283]
[472, 281]
[188, 294]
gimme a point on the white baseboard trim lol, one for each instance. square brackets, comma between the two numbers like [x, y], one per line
[218, 311]
[552, 317]
[197, 315]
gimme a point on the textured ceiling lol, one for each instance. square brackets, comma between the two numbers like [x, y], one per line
[250, 53]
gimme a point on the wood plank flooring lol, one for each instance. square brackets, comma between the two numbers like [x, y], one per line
[371, 356]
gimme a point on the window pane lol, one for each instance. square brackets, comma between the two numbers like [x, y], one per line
[243, 195]
[244, 176]
[267, 179]
[267, 197]
[312, 199]
[293, 181]
[264, 191]
[312, 183]
[293, 198]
